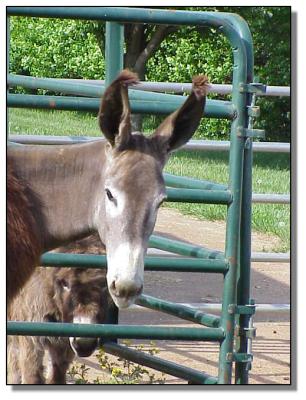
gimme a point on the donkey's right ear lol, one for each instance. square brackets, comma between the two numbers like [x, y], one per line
[114, 113]
[179, 126]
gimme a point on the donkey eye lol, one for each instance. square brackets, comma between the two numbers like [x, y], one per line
[109, 195]
[63, 284]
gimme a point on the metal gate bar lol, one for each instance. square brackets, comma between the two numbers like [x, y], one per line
[111, 331]
[159, 87]
[192, 145]
[90, 91]
[180, 311]
[191, 183]
[174, 264]
[213, 108]
[184, 249]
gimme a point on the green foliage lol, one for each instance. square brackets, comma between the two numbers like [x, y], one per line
[54, 48]
[72, 49]
[78, 373]
[189, 52]
[270, 29]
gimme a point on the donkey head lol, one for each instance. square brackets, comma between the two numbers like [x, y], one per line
[133, 183]
[81, 297]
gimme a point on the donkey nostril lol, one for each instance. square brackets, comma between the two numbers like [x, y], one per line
[139, 291]
[126, 289]
[122, 292]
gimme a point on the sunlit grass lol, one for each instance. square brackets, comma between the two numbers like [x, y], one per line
[271, 174]
[40, 122]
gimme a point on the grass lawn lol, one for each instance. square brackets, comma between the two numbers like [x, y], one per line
[271, 171]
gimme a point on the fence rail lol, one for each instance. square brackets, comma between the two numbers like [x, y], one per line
[208, 145]
[199, 145]
[176, 87]
[160, 87]
[262, 308]
[255, 256]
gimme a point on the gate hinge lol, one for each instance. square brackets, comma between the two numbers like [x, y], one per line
[253, 111]
[239, 357]
[254, 87]
[249, 333]
[243, 357]
[248, 309]
[252, 133]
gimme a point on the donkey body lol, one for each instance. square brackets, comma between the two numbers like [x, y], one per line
[55, 295]
[24, 244]
[113, 187]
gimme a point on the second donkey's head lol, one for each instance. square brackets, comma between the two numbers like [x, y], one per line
[81, 297]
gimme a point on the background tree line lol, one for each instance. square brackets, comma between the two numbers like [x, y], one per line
[75, 49]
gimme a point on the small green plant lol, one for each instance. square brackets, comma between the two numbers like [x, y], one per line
[78, 374]
[120, 371]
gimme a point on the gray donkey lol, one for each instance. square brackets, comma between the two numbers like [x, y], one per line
[113, 187]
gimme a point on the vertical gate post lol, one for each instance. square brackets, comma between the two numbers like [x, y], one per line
[8, 36]
[114, 39]
[226, 356]
[244, 264]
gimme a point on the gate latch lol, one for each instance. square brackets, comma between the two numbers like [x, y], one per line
[253, 111]
[254, 87]
[252, 133]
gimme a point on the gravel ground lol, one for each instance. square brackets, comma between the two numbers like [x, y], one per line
[269, 284]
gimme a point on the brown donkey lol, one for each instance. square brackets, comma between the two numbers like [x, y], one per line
[55, 295]
[24, 244]
[113, 187]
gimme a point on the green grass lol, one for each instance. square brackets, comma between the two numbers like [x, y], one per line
[271, 171]
[271, 174]
[38, 122]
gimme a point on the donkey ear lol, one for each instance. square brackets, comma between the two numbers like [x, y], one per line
[114, 113]
[179, 126]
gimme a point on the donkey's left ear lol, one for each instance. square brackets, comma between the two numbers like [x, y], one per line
[179, 126]
[114, 113]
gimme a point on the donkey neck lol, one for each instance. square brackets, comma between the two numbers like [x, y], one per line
[66, 178]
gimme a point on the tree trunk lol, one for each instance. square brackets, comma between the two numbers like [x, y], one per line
[135, 43]
[141, 41]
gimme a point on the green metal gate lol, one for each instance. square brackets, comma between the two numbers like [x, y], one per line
[233, 329]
